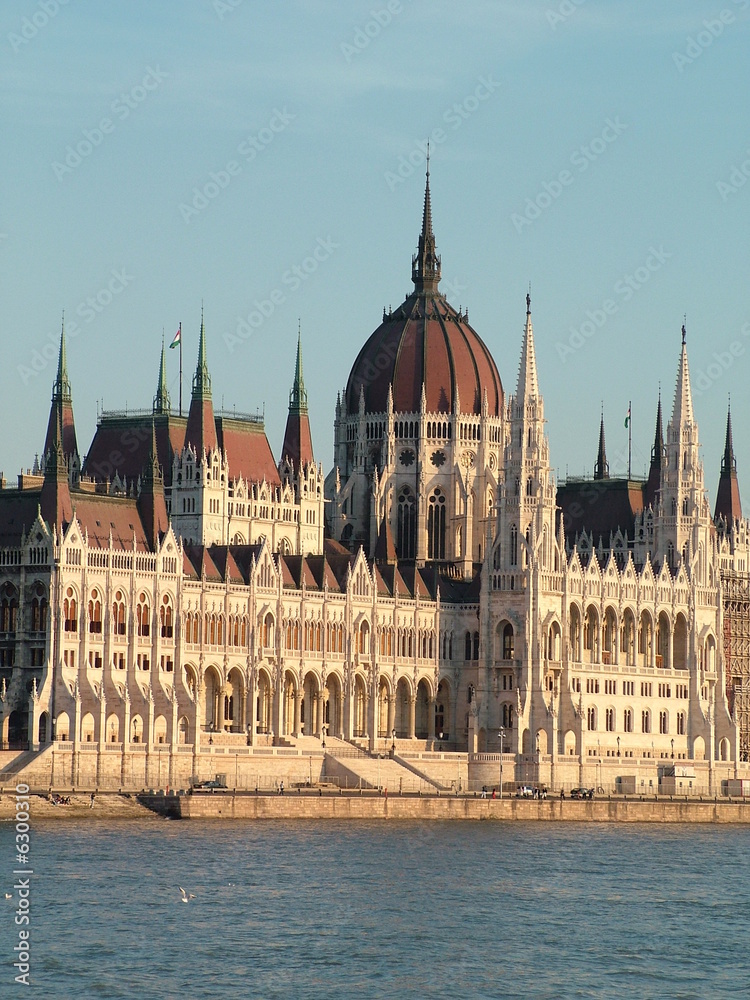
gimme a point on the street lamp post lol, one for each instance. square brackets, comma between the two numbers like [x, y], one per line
[618, 746]
[393, 743]
[672, 749]
[501, 734]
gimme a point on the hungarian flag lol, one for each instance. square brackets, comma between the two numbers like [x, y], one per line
[627, 419]
[177, 338]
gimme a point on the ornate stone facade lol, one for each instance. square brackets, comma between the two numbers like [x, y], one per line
[177, 598]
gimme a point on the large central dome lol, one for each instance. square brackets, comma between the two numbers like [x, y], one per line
[425, 342]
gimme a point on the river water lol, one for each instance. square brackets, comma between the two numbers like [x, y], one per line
[382, 909]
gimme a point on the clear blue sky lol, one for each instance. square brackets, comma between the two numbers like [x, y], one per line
[577, 145]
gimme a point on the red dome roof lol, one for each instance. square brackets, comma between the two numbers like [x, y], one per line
[425, 341]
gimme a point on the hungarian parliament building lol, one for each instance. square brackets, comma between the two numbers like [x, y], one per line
[179, 592]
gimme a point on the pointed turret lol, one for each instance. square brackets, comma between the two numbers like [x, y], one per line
[385, 547]
[162, 402]
[297, 447]
[528, 386]
[653, 482]
[425, 264]
[601, 468]
[201, 427]
[55, 502]
[682, 411]
[728, 503]
[151, 503]
[61, 411]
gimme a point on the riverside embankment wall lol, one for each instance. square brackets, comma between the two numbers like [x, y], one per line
[371, 807]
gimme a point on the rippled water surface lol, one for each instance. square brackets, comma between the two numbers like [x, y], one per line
[370, 910]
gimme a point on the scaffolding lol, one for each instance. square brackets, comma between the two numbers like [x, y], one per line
[736, 603]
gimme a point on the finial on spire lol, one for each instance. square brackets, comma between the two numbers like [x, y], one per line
[528, 301]
[428, 159]
[684, 331]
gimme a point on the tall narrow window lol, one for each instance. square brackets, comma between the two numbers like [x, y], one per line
[513, 545]
[436, 525]
[406, 524]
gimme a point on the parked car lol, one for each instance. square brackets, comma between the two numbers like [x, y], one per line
[209, 785]
[524, 792]
[582, 793]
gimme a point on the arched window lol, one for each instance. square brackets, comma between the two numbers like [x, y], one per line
[165, 618]
[268, 631]
[95, 612]
[143, 615]
[627, 720]
[39, 609]
[513, 545]
[646, 721]
[118, 613]
[467, 650]
[406, 524]
[70, 612]
[591, 718]
[476, 645]
[609, 717]
[436, 525]
[508, 642]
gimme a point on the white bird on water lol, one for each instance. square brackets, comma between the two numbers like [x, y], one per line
[186, 896]
[9, 895]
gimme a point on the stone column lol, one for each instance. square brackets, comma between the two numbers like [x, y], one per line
[297, 712]
[431, 719]
[412, 716]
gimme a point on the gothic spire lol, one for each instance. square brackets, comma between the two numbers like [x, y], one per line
[528, 386]
[728, 503]
[653, 483]
[61, 425]
[682, 411]
[202, 378]
[297, 447]
[298, 395]
[200, 432]
[601, 469]
[162, 402]
[425, 264]
[61, 387]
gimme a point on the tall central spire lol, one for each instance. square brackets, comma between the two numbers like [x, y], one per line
[425, 264]
[601, 468]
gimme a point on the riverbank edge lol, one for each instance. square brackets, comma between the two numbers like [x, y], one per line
[371, 806]
[412, 807]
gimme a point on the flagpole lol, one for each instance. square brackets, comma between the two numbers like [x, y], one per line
[630, 434]
[180, 369]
